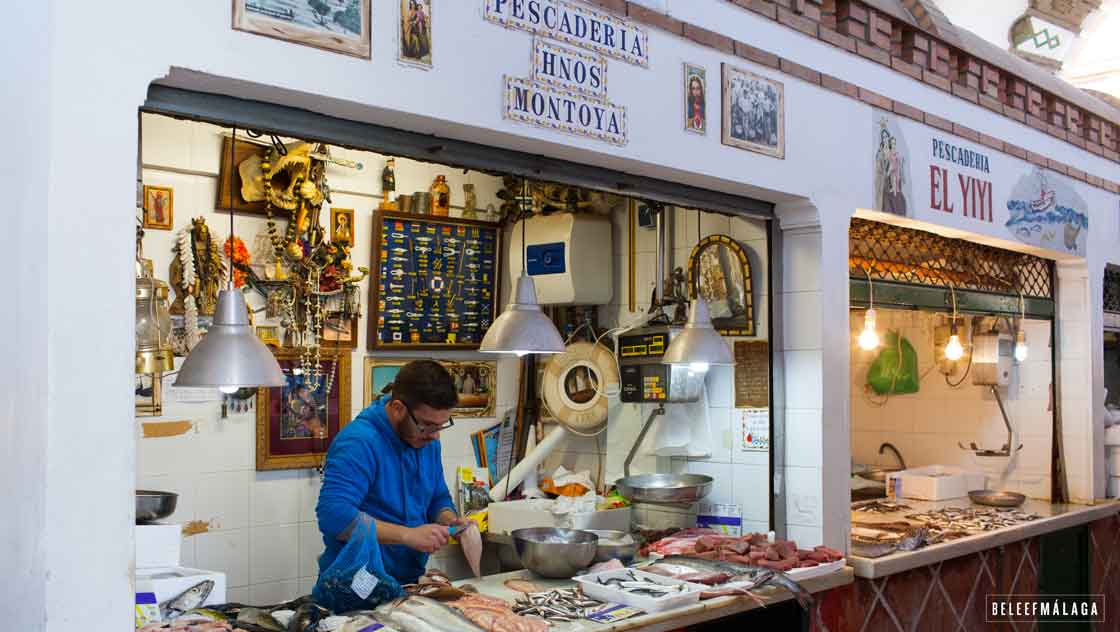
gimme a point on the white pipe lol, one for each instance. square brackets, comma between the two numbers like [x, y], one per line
[532, 460]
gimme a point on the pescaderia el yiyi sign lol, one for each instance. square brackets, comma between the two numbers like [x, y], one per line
[567, 90]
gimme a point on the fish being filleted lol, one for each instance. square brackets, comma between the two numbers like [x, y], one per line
[421, 614]
[727, 577]
[189, 599]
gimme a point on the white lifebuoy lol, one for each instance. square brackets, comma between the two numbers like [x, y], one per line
[576, 385]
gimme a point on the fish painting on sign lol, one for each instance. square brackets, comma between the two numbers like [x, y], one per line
[1047, 212]
[338, 25]
[892, 182]
[696, 99]
[753, 112]
[415, 46]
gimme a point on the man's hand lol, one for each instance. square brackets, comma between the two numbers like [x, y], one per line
[449, 518]
[427, 538]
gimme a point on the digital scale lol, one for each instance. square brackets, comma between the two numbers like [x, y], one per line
[644, 378]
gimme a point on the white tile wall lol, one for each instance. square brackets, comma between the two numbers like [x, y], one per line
[227, 551]
[274, 554]
[926, 426]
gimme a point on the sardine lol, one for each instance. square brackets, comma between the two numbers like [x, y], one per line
[189, 599]
[739, 572]
[421, 614]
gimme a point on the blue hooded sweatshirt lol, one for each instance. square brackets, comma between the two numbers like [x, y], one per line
[370, 470]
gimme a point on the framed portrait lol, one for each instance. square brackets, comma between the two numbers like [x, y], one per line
[720, 273]
[753, 112]
[159, 207]
[297, 422]
[695, 99]
[339, 332]
[269, 334]
[149, 394]
[434, 282]
[342, 26]
[342, 225]
[415, 33]
[475, 381]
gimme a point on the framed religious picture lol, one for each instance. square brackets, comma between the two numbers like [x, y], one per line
[159, 207]
[342, 26]
[476, 382]
[297, 422]
[342, 225]
[434, 282]
[415, 33]
[720, 272]
[695, 99]
[753, 112]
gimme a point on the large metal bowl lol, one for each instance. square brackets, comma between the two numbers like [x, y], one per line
[555, 553]
[615, 545]
[996, 499]
[664, 488]
[152, 506]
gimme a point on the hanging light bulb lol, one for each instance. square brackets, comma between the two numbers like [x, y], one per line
[954, 350]
[869, 338]
[230, 356]
[523, 328]
[1021, 336]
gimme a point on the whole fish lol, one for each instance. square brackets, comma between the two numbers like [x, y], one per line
[421, 614]
[189, 599]
[307, 617]
[259, 619]
[733, 573]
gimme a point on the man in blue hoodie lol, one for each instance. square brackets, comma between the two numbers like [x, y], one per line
[385, 467]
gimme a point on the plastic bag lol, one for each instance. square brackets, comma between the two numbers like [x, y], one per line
[357, 580]
[895, 371]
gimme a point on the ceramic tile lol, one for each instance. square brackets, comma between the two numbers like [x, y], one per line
[756, 526]
[801, 259]
[803, 374]
[746, 229]
[721, 386]
[752, 491]
[645, 240]
[188, 552]
[307, 584]
[164, 140]
[238, 595]
[310, 548]
[803, 437]
[275, 592]
[723, 488]
[801, 320]
[713, 224]
[167, 455]
[226, 551]
[803, 495]
[274, 554]
[723, 435]
[223, 499]
[805, 537]
[275, 498]
[646, 276]
[225, 445]
[308, 496]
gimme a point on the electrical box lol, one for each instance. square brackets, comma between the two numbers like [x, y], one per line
[566, 270]
[992, 355]
[644, 378]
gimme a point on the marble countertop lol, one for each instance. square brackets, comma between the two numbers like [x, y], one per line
[709, 610]
[1054, 517]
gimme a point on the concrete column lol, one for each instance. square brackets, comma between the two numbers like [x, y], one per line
[1079, 383]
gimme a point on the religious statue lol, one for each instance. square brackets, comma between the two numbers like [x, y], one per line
[197, 269]
[470, 202]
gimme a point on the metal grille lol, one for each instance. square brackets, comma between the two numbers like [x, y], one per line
[1112, 290]
[905, 255]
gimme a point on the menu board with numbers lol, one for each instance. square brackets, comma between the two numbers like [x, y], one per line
[434, 282]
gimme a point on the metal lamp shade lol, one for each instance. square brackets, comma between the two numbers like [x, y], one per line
[699, 343]
[523, 328]
[229, 355]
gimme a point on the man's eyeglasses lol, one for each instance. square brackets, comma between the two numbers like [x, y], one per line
[426, 428]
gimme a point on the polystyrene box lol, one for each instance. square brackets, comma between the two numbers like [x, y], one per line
[936, 482]
[158, 545]
[524, 514]
[565, 270]
[168, 583]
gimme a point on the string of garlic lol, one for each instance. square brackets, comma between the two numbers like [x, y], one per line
[186, 257]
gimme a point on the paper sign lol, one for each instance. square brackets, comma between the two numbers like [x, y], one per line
[724, 519]
[363, 583]
[613, 612]
[754, 429]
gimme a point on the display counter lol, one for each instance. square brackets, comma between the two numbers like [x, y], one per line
[704, 611]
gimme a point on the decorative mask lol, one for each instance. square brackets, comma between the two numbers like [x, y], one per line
[289, 178]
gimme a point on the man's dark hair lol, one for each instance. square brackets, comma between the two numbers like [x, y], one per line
[425, 382]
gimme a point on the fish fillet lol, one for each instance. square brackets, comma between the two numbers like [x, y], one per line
[471, 541]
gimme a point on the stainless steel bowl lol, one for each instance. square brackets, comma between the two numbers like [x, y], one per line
[664, 488]
[152, 506]
[555, 553]
[878, 474]
[996, 499]
[615, 545]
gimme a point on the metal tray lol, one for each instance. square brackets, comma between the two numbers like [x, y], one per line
[993, 498]
[664, 488]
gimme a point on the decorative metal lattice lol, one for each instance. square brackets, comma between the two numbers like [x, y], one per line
[1112, 290]
[905, 255]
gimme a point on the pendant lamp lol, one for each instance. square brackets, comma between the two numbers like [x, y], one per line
[523, 328]
[699, 346]
[230, 356]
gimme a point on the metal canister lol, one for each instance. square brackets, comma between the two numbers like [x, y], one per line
[404, 203]
[422, 203]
